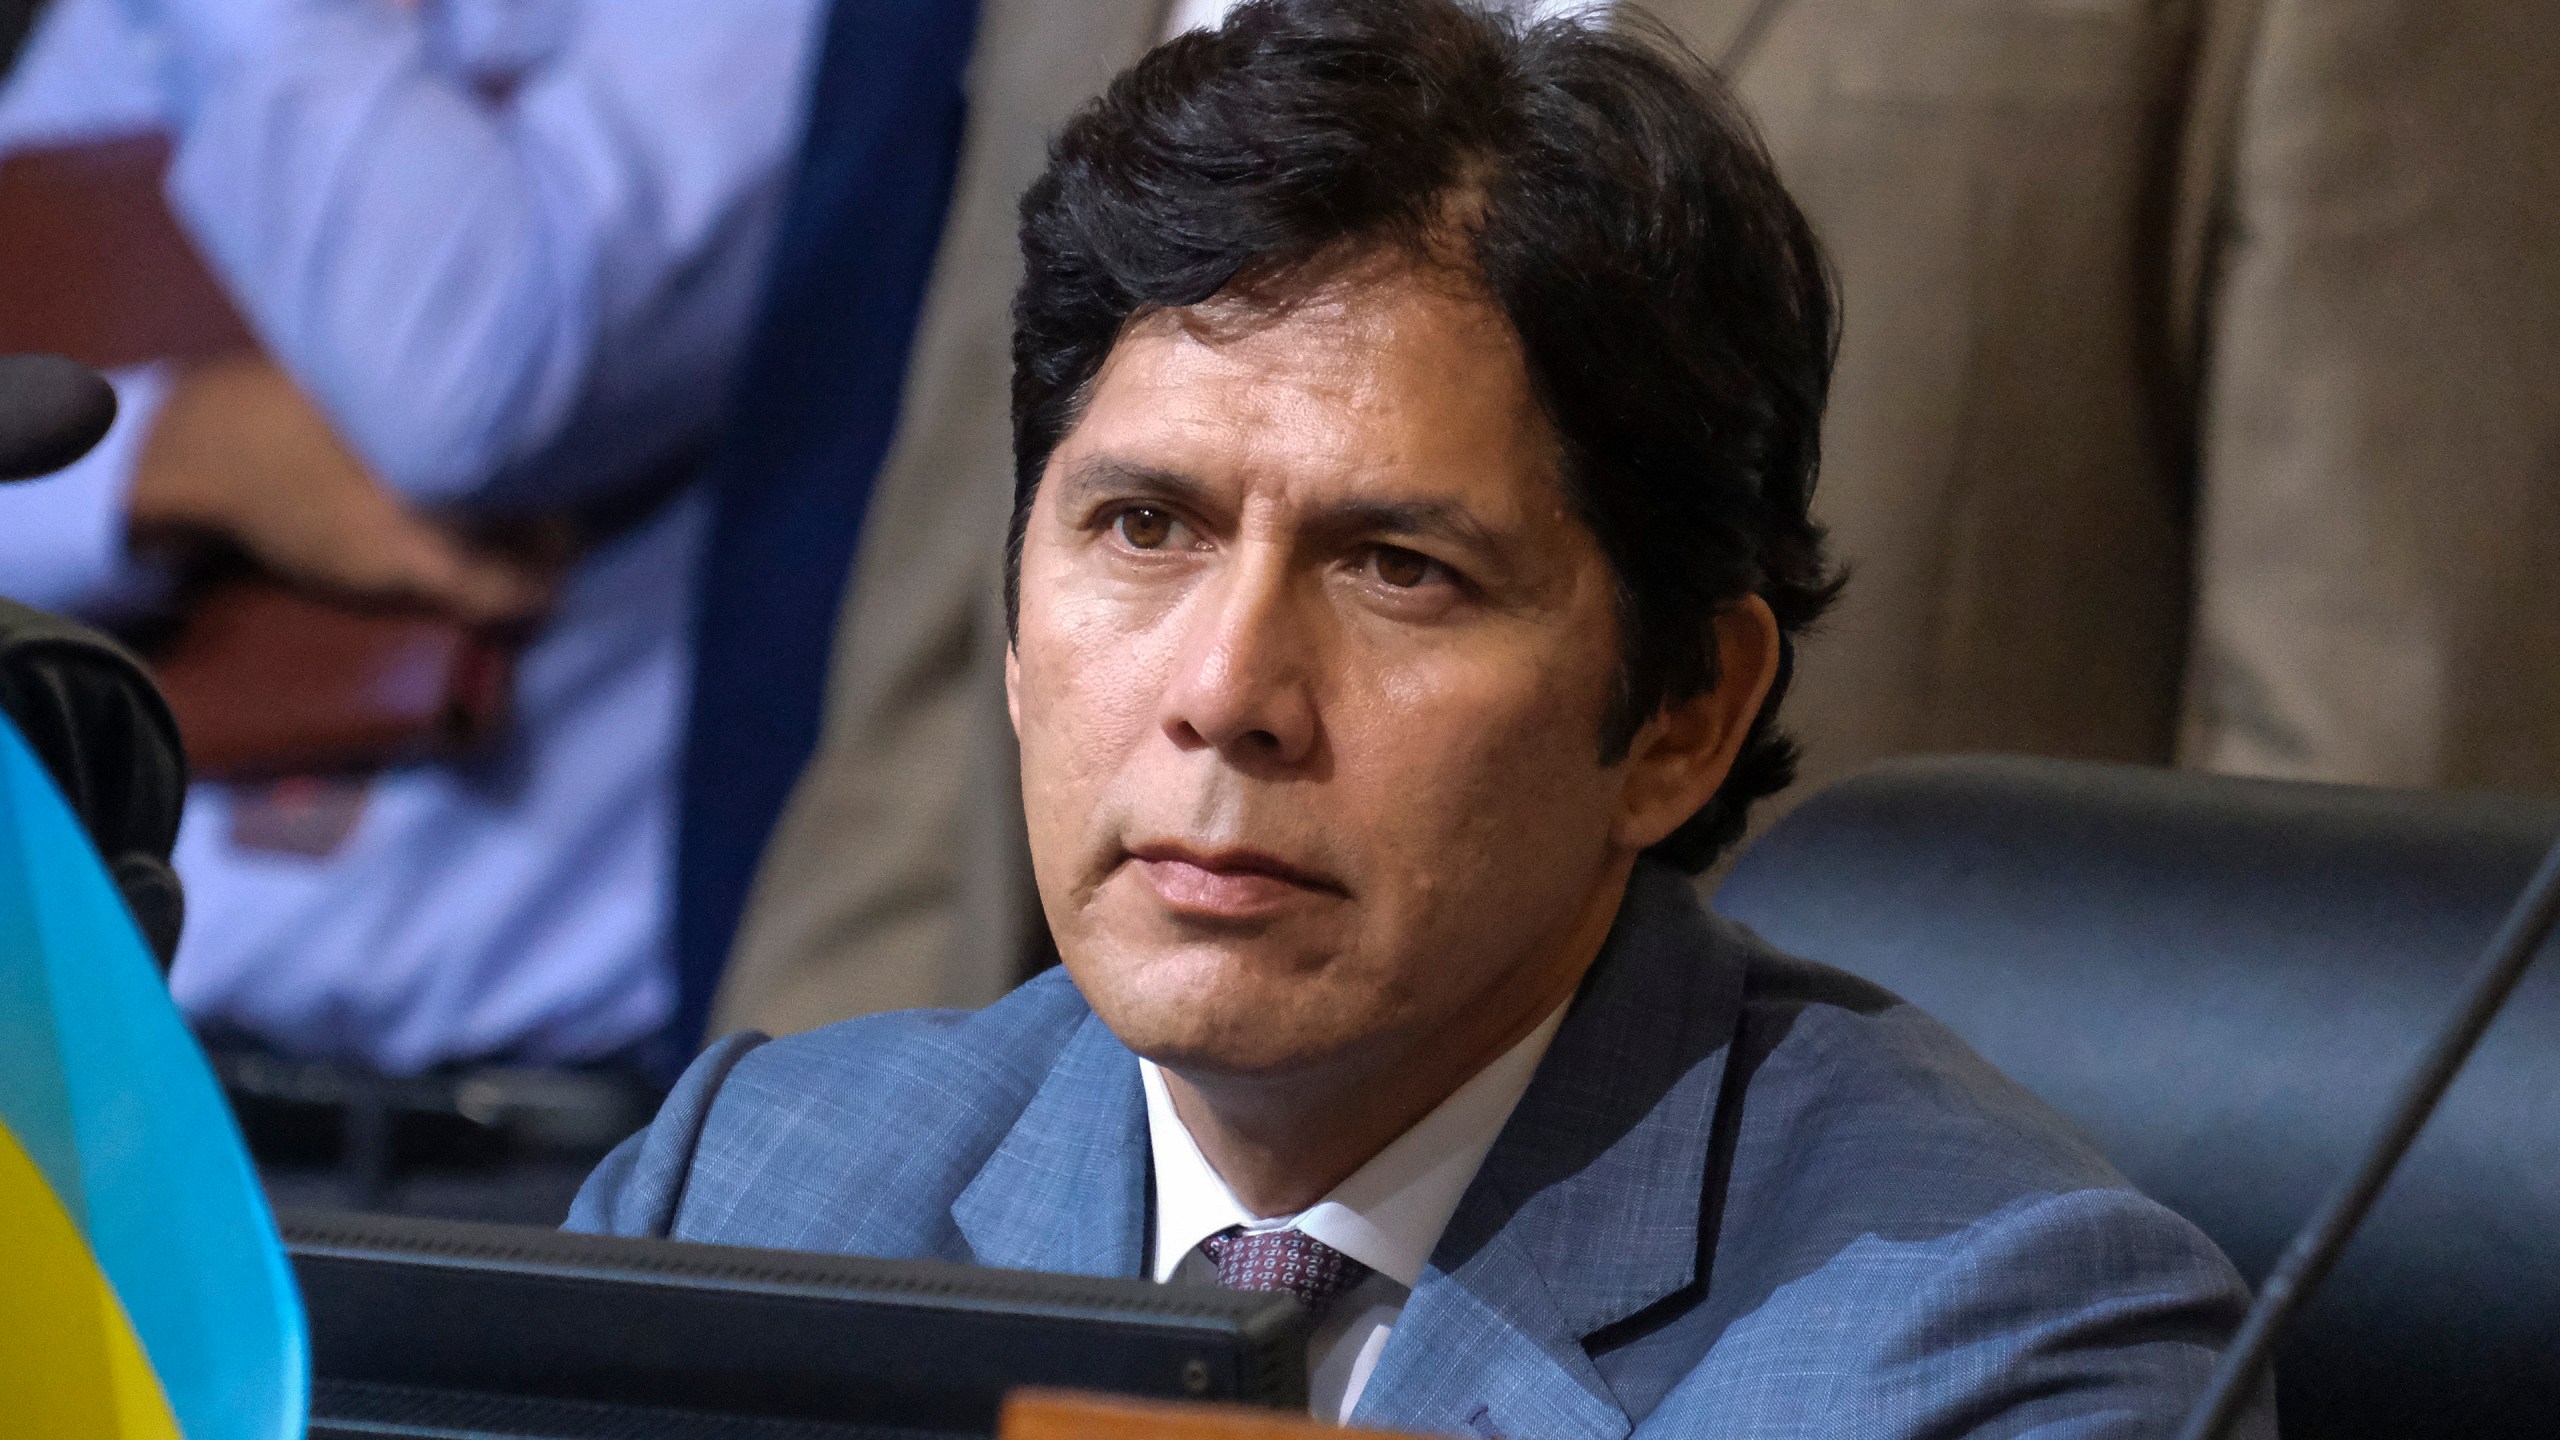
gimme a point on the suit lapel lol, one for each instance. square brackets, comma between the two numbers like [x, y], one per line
[1588, 1208]
[1483, 1351]
[1066, 1191]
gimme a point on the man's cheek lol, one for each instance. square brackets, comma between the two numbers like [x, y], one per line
[1082, 677]
[1494, 791]
[1118, 675]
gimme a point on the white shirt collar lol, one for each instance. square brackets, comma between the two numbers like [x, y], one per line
[1389, 1214]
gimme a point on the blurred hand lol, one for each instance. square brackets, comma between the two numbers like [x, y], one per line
[238, 454]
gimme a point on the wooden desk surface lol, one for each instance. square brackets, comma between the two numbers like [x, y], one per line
[1075, 1415]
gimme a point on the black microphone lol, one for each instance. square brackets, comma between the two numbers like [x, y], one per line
[52, 411]
[17, 17]
[2315, 1248]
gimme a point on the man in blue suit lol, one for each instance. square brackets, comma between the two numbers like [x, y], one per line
[1416, 419]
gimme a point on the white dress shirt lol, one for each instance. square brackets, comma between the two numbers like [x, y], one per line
[1388, 1215]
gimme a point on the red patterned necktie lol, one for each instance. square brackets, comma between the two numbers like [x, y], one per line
[1285, 1260]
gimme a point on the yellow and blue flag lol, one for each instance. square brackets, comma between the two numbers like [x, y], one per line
[143, 1292]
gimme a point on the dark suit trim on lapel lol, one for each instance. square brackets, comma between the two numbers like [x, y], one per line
[1588, 1209]
[1603, 1169]
[1724, 1137]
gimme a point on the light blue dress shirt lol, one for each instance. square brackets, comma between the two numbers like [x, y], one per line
[512, 248]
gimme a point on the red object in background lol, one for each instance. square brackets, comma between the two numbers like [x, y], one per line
[268, 681]
[306, 815]
[98, 268]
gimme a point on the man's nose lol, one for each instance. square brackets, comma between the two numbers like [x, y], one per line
[1241, 684]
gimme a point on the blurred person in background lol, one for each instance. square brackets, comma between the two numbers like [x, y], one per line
[509, 251]
[2193, 401]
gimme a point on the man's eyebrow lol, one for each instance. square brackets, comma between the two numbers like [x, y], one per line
[1106, 475]
[1434, 518]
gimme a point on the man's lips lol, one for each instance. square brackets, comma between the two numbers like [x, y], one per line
[1228, 882]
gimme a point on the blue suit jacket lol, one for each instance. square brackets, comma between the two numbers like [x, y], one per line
[1744, 1195]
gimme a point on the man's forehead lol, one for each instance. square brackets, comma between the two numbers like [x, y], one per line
[1380, 394]
[1330, 318]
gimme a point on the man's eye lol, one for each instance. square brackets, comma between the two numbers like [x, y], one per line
[1403, 568]
[1144, 528]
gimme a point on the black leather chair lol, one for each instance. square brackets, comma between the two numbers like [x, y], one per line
[2221, 981]
[97, 723]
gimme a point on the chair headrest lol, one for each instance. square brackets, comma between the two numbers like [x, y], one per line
[2221, 981]
[89, 711]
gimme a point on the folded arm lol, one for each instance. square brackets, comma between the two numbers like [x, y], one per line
[512, 262]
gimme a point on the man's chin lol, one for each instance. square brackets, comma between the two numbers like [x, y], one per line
[1193, 1016]
[1226, 1059]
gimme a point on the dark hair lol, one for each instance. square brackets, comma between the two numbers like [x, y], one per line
[1673, 307]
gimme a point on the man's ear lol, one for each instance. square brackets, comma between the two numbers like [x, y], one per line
[1683, 753]
[1013, 689]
